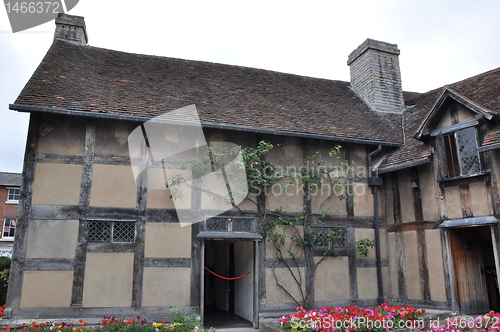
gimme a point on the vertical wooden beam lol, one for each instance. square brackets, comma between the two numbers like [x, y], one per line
[21, 235]
[349, 179]
[423, 267]
[261, 201]
[202, 283]
[79, 265]
[255, 294]
[142, 196]
[491, 180]
[353, 271]
[260, 220]
[396, 202]
[196, 266]
[449, 280]
[85, 190]
[465, 201]
[417, 197]
[496, 249]
[401, 266]
[308, 253]
[399, 239]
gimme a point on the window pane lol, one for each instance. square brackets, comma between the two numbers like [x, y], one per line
[13, 195]
[332, 237]
[99, 231]
[9, 227]
[450, 148]
[123, 231]
[441, 158]
[470, 164]
[111, 231]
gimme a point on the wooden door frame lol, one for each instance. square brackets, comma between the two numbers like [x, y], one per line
[455, 304]
[255, 299]
[495, 237]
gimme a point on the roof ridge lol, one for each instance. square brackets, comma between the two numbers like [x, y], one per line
[202, 62]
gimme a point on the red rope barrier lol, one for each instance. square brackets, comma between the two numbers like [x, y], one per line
[215, 274]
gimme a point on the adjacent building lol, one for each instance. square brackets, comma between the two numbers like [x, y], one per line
[10, 191]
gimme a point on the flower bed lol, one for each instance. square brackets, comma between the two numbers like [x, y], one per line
[381, 318]
[489, 322]
[181, 322]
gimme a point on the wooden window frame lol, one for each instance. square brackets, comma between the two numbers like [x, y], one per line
[12, 228]
[454, 158]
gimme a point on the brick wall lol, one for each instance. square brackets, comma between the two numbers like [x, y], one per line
[6, 210]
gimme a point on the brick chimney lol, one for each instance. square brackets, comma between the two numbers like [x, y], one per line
[71, 28]
[375, 75]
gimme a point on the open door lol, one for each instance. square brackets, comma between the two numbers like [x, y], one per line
[229, 284]
[243, 288]
[467, 252]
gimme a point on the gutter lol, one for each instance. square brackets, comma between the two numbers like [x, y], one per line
[27, 108]
[374, 181]
[403, 166]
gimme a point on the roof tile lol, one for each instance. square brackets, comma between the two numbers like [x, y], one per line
[91, 79]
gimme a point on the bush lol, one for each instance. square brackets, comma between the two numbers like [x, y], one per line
[4, 278]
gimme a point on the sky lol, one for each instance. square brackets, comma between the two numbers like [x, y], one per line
[441, 41]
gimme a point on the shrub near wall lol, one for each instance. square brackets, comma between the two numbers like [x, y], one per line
[4, 278]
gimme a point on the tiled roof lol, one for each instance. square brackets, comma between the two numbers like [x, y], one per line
[412, 150]
[90, 79]
[96, 80]
[493, 136]
[11, 179]
[483, 89]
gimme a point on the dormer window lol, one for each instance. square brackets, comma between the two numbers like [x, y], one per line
[452, 126]
[458, 154]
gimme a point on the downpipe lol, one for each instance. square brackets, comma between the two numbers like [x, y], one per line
[374, 182]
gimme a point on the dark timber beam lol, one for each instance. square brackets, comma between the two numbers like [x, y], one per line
[85, 187]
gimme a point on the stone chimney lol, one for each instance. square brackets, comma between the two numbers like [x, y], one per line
[71, 28]
[375, 75]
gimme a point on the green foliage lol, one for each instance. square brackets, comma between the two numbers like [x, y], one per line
[4, 263]
[363, 245]
[317, 172]
[173, 183]
[4, 278]
[275, 230]
[182, 322]
[260, 172]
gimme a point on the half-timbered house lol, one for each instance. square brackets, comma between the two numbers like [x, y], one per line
[98, 232]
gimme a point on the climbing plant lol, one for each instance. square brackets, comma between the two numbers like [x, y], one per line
[292, 235]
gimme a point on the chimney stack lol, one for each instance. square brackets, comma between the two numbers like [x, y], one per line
[375, 75]
[71, 28]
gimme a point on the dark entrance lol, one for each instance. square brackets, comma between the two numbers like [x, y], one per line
[228, 303]
[474, 267]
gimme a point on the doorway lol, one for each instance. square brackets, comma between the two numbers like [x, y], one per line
[228, 302]
[475, 269]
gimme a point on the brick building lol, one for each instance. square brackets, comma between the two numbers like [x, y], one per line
[10, 188]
